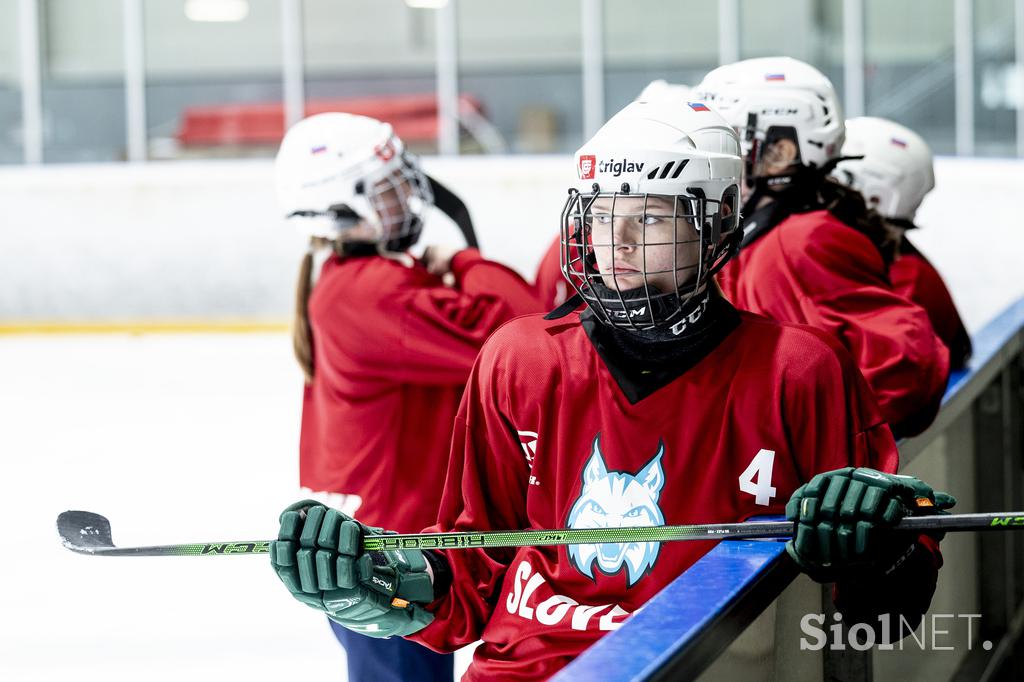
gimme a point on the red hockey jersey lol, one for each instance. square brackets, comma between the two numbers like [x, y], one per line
[545, 438]
[393, 347]
[812, 269]
[551, 285]
[913, 277]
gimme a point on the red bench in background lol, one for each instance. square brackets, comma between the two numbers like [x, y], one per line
[414, 118]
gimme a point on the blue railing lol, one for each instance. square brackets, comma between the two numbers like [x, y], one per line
[687, 625]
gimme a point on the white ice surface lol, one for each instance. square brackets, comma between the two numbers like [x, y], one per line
[175, 438]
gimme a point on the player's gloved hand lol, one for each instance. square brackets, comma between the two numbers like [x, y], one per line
[845, 518]
[319, 557]
[438, 258]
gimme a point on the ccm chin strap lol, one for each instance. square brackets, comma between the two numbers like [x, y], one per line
[454, 208]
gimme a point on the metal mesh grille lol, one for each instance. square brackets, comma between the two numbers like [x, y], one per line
[400, 200]
[638, 259]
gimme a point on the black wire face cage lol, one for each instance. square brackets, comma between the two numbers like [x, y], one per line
[645, 240]
[400, 199]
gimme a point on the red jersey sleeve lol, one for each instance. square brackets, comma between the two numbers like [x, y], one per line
[425, 333]
[844, 290]
[485, 490]
[477, 276]
[913, 277]
[840, 423]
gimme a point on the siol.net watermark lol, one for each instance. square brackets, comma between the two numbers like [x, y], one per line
[936, 632]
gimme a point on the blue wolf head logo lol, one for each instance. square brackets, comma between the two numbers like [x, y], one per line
[617, 499]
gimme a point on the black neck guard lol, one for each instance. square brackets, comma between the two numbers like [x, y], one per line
[643, 310]
[357, 249]
[644, 361]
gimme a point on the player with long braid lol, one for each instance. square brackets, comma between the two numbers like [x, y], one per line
[385, 345]
[812, 252]
[891, 166]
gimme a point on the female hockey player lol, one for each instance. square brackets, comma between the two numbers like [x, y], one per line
[385, 346]
[660, 404]
[812, 253]
[893, 175]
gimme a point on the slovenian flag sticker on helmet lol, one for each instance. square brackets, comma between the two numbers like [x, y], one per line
[698, 106]
[898, 142]
[775, 76]
[319, 149]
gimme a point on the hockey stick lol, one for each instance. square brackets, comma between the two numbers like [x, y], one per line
[453, 207]
[89, 533]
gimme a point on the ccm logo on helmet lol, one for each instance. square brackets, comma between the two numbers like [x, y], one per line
[778, 111]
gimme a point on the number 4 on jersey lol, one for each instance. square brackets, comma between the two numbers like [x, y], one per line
[756, 479]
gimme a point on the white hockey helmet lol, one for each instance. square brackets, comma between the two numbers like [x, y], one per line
[338, 170]
[896, 172]
[769, 97]
[683, 152]
[658, 90]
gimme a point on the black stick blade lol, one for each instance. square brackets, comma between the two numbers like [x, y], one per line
[84, 532]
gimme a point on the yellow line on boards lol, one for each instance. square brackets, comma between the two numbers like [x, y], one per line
[144, 327]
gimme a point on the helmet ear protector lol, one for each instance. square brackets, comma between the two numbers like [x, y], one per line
[727, 229]
[723, 223]
[726, 219]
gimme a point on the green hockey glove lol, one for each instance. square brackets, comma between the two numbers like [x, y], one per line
[319, 557]
[845, 518]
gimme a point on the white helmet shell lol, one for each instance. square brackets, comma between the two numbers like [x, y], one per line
[665, 148]
[780, 92]
[335, 161]
[658, 90]
[661, 147]
[896, 172]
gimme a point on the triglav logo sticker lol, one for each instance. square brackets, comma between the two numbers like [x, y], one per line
[617, 168]
[385, 151]
[586, 166]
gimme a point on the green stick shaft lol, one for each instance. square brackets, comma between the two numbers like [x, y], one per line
[707, 531]
[193, 549]
[89, 533]
[578, 536]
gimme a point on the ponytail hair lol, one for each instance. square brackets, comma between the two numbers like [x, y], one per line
[810, 188]
[302, 333]
[319, 248]
[850, 207]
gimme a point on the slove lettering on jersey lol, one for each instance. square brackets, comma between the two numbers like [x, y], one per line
[532, 598]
